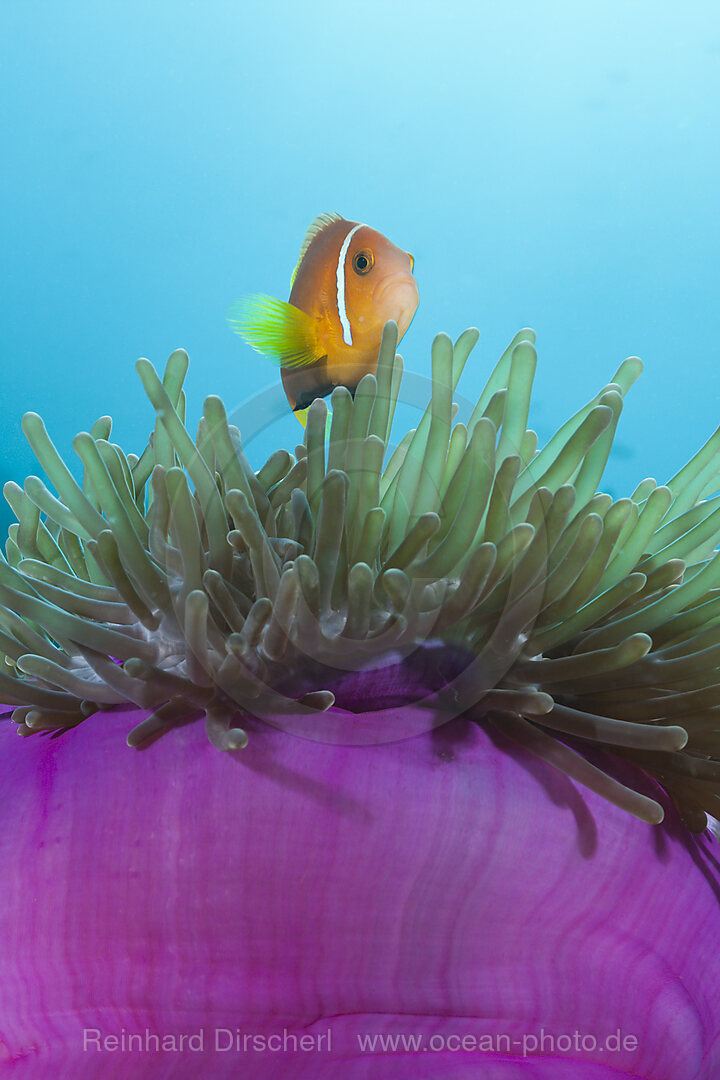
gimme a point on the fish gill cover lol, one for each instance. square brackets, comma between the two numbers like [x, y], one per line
[184, 582]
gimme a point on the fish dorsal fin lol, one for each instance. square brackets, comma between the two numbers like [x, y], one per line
[314, 229]
[276, 329]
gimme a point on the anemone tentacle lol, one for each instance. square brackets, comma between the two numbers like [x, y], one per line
[184, 582]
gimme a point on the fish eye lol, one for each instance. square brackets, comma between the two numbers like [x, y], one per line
[363, 262]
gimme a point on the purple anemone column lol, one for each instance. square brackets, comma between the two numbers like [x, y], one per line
[439, 906]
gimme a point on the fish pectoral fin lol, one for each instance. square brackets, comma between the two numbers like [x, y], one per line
[301, 415]
[276, 329]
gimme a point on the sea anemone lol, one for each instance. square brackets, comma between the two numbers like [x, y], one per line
[404, 868]
[188, 584]
[436, 908]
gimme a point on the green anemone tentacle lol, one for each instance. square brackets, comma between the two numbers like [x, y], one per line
[183, 581]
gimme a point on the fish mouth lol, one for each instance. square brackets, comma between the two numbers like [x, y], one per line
[397, 299]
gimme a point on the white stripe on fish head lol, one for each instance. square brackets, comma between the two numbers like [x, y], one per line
[340, 277]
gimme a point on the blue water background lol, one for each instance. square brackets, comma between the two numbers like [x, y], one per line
[548, 164]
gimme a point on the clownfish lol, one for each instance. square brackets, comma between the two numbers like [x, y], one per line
[348, 282]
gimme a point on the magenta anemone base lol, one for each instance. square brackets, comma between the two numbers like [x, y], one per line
[441, 887]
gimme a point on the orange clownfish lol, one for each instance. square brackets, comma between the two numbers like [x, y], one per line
[349, 280]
